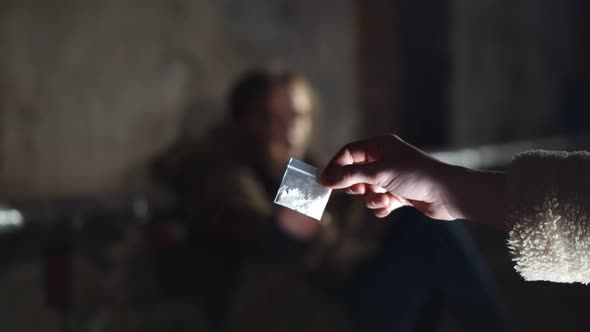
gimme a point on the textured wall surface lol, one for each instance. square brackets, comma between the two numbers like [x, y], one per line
[510, 59]
[90, 89]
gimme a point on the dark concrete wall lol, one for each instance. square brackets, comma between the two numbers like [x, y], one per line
[510, 61]
[90, 89]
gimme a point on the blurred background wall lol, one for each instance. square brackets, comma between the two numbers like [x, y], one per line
[510, 60]
[89, 89]
[463, 73]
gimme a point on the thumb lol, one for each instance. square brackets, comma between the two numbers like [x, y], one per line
[340, 177]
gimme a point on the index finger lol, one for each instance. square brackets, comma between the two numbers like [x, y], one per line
[352, 153]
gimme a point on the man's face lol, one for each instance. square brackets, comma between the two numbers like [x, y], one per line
[283, 127]
[289, 108]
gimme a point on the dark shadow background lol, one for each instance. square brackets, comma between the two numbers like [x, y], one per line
[90, 90]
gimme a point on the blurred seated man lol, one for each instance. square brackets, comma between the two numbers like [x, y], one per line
[259, 266]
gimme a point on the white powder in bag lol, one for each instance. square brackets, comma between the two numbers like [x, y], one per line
[301, 192]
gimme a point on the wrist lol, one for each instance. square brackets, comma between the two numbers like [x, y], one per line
[451, 183]
[475, 195]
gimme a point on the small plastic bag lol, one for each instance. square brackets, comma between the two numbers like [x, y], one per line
[300, 190]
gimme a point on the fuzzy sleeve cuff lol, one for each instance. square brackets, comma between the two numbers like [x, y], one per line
[548, 210]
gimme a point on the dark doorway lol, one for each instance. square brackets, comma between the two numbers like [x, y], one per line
[404, 67]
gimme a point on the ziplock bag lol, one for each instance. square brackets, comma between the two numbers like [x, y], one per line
[300, 190]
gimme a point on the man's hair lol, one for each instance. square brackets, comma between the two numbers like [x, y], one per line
[250, 91]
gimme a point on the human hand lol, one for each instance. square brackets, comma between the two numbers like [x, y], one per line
[389, 173]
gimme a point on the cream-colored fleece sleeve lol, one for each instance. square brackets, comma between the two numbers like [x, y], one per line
[549, 212]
